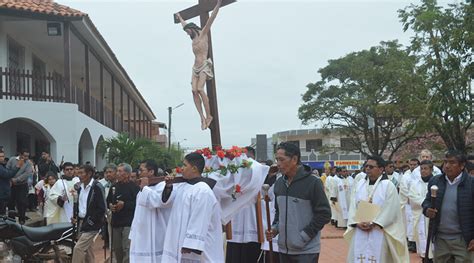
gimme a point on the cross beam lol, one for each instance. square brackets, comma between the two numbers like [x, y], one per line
[199, 9]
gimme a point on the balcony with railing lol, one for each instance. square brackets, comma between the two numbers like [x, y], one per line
[25, 85]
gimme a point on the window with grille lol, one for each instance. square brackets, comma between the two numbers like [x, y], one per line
[314, 144]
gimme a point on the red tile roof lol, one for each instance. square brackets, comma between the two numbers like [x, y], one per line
[47, 7]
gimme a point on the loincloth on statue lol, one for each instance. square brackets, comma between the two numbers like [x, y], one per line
[205, 68]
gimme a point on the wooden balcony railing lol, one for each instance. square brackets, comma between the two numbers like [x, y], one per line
[18, 84]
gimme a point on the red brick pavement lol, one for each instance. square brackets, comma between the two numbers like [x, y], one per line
[333, 247]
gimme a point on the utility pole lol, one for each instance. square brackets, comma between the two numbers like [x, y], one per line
[170, 110]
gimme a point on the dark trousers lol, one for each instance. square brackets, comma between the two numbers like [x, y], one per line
[32, 201]
[303, 258]
[3, 207]
[265, 258]
[242, 252]
[19, 197]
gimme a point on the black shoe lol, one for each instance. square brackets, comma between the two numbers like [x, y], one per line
[411, 246]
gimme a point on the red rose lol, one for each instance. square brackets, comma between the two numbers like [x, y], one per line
[178, 170]
[238, 188]
[221, 154]
[218, 148]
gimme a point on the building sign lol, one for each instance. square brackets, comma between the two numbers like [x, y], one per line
[350, 165]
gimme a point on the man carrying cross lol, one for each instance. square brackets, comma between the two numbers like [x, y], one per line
[202, 69]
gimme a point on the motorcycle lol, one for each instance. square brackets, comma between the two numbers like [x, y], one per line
[37, 244]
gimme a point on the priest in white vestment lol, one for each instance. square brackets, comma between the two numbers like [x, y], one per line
[348, 186]
[194, 232]
[405, 183]
[61, 211]
[379, 237]
[338, 199]
[328, 188]
[417, 194]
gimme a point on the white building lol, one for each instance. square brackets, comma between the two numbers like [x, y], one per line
[319, 146]
[62, 89]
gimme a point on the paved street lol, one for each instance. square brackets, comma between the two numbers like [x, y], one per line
[334, 247]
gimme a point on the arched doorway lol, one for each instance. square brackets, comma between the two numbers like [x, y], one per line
[86, 148]
[100, 161]
[24, 133]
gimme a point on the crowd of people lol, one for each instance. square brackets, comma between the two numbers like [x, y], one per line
[386, 209]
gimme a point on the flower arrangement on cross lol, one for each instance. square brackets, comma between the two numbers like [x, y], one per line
[231, 165]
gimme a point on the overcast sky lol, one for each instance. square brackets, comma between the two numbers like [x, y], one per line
[265, 53]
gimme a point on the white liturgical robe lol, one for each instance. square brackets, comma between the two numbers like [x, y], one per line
[55, 213]
[417, 194]
[147, 232]
[386, 244]
[195, 223]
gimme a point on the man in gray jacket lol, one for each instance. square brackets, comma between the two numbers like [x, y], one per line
[19, 190]
[302, 208]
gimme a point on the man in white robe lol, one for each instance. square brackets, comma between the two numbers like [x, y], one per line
[405, 183]
[244, 246]
[348, 186]
[381, 239]
[195, 231]
[417, 194]
[393, 176]
[149, 222]
[328, 188]
[61, 196]
[338, 198]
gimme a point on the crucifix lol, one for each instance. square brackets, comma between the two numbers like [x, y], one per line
[203, 67]
[361, 258]
[372, 259]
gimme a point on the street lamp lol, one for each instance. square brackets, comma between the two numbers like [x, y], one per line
[170, 111]
[179, 142]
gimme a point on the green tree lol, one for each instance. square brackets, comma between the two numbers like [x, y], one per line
[379, 84]
[443, 41]
[122, 149]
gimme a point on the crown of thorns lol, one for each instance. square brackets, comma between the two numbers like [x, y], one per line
[191, 26]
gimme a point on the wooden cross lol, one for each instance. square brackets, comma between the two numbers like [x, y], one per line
[361, 258]
[372, 259]
[202, 10]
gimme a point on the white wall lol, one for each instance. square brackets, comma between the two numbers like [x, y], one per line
[62, 120]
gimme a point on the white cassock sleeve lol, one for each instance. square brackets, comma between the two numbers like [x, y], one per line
[152, 198]
[390, 208]
[199, 219]
[416, 198]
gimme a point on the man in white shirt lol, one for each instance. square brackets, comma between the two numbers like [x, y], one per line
[89, 213]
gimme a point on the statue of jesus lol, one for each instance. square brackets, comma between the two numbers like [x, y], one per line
[202, 69]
